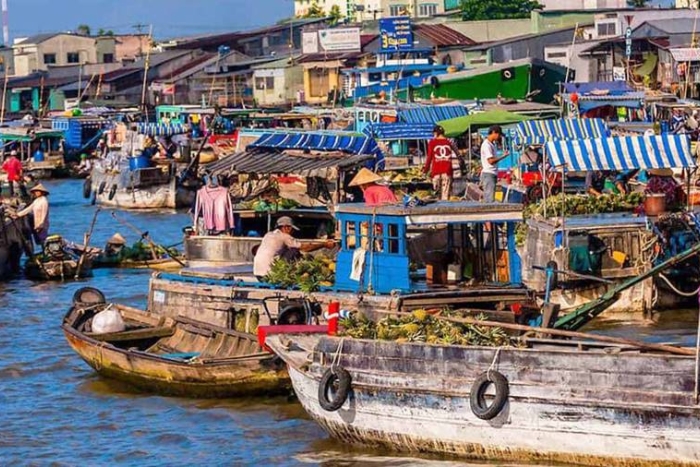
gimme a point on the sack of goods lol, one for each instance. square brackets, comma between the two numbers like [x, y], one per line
[108, 321]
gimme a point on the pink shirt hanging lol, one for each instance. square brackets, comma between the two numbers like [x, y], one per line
[214, 206]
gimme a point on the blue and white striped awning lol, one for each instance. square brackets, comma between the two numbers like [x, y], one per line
[162, 129]
[317, 141]
[431, 114]
[397, 131]
[622, 153]
[541, 131]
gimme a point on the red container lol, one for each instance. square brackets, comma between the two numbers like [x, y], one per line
[333, 314]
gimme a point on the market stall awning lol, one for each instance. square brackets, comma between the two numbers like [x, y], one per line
[431, 114]
[162, 129]
[397, 131]
[457, 126]
[319, 141]
[541, 131]
[612, 87]
[622, 153]
[272, 162]
[632, 100]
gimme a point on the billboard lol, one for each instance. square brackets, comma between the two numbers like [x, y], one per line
[331, 40]
[395, 34]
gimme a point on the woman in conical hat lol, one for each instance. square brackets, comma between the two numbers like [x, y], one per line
[40, 213]
[373, 193]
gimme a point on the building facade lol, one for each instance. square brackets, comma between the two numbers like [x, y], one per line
[278, 83]
[40, 52]
[369, 10]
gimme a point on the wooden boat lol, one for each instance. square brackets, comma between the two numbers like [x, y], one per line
[39, 268]
[608, 405]
[160, 264]
[176, 356]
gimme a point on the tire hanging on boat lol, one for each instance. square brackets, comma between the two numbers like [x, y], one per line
[86, 296]
[332, 398]
[101, 187]
[112, 192]
[477, 399]
[87, 188]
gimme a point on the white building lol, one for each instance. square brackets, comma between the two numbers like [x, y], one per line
[367, 10]
[583, 4]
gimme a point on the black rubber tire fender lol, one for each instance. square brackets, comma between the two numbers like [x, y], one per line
[93, 201]
[88, 296]
[332, 402]
[101, 187]
[87, 188]
[112, 192]
[478, 403]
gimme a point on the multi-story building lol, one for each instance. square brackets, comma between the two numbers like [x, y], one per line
[583, 4]
[40, 52]
[368, 10]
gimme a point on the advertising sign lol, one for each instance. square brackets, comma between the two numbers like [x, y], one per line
[309, 42]
[331, 40]
[395, 34]
[686, 54]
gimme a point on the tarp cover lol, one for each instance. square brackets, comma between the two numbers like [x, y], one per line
[541, 131]
[431, 114]
[397, 131]
[162, 129]
[318, 141]
[622, 153]
[457, 126]
[614, 87]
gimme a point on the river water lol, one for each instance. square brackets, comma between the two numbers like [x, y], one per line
[54, 410]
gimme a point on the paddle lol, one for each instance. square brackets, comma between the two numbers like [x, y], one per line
[146, 237]
[86, 243]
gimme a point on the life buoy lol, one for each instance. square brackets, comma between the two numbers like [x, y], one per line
[87, 188]
[334, 389]
[112, 192]
[477, 398]
[101, 187]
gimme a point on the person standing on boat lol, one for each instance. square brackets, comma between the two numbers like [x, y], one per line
[281, 244]
[489, 161]
[439, 163]
[13, 168]
[39, 209]
[373, 193]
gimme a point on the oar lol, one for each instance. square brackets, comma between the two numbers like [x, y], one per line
[146, 237]
[86, 243]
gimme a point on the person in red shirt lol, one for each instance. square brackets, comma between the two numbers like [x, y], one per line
[373, 193]
[13, 168]
[439, 163]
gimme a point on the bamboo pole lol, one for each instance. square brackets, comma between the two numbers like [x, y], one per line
[146, 67]
[4, 97]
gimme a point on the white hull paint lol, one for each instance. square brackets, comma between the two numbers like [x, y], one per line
[540, 422]
[167, 196]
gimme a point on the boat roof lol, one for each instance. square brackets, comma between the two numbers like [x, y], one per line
[22, 134]
[449, 212]
[593, 221]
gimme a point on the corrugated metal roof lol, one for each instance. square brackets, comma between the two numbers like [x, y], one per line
[442, 36]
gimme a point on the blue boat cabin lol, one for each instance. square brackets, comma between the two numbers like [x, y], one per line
[384, 249]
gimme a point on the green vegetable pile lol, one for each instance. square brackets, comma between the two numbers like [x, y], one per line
[309, 273]
[141, 251]
[578, 205]
[421, 326]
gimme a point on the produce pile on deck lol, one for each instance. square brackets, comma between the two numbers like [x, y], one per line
[422, 326]
[141, 251]
[308, 273]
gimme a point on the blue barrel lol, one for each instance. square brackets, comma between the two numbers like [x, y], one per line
[38, 156]
[139, 162]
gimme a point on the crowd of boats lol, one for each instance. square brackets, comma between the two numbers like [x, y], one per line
[401, 314]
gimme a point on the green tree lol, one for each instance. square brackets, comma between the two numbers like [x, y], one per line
[335, 15]
[477, 10]
[315, 11]
[83, 30]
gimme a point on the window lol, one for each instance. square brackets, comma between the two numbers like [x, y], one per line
[397, 10]
[49, 59]
[108, 58]
[427, 9]
[260, 84]
[270, 83]
[73, 57]
[606, 29]
[556, 55]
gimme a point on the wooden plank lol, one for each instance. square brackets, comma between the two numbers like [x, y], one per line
[138, 334]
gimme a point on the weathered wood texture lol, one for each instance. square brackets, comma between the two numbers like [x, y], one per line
[584, 407]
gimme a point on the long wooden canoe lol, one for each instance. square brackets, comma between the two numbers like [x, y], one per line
[608, 405]
[176, 356]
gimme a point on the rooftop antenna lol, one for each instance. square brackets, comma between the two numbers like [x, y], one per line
[5, 25]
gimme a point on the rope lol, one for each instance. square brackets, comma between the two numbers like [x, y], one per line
[679, 292]
[371, 240]
[336, 356]
[494, 363]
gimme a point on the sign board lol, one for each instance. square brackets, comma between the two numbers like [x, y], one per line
[628, 42]
[395, 34]
[686, 54]
[619, 73]
[331, 40]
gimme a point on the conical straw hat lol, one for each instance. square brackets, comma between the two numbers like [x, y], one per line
[365, 176]
[117, 239]
[39, 187]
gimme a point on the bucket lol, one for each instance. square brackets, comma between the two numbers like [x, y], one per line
[655, 204]
[139, 162]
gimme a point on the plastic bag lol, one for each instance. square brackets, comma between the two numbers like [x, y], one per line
[107, 321]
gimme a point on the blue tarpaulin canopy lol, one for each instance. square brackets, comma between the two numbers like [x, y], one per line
[431, 114]
[162, 129]
[611, 86]
[622, 153]
[632, 100]
[398, 131]
[353, 143]
[541, 131]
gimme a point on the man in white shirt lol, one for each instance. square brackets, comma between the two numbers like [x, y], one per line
[489, 160]
[280, 244]
[40, 213]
